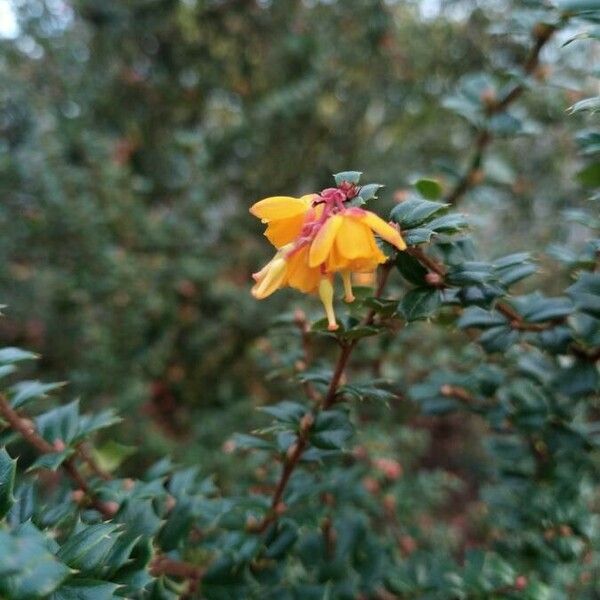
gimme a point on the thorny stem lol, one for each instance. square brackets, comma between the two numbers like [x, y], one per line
[30, 435]
[516, 321]
[297, 449]
[542, 33]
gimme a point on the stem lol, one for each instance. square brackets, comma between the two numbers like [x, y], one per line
[542, 33]
[27, 430]
[296, 450]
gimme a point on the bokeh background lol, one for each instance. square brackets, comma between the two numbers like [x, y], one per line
[134, 135]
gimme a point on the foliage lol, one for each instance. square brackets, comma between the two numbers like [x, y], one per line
[443, 443]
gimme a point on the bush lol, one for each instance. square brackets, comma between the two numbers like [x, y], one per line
[441, 442]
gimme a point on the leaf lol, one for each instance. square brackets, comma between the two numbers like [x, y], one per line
[420, 303]
[468, 273]
[575, 7]
[251, 442]
[85, 589]
[60, 423]
[498, 339]
[410, 268]
[451, 223]
[585, 293]
[111, 454]
[51, 461]
[87, 549]
[24, 391]
[27, 569]
[285, 538]
[589, 104]
[7, 481]
[349, 176]
[415, 211]
[474, 316]
[289, 412]
[90, 423]
[419, 235]
[590, 175]
[369, 191]
[429, 188]
[331, 430]
[12, 355]
[536, 308]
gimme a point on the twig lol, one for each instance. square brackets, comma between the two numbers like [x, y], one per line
[435, 278]
[542, 33]
[27, 430]
[295, 451]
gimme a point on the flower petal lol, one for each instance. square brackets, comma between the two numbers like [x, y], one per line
[280, 207]
[284, 231]
[321, 245]
[300, 275]
[354, 239]
[383, 229]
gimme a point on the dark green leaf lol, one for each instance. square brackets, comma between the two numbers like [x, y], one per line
[349, 176]
[420, 303]
[7, 481]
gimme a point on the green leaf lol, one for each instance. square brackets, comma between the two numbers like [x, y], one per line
[419, 235]
[85, 589]
[331, 430]
[90, 423]
[590, 175]
[12, 355]
[474, 316]
[7, 481]
[349, 176]
[575, 7]
[415, 211]
[87, 549]
[585, 293]
[369, 191]
[24, 391]
[51, 461]
[429, 188]
[451, 223]
[285, 538]
[589, 104]
[469, 273]
[498, 339]
[139, 517]
[420, 303]
[410, 268]
[289, 412]
[251, 442]
[111, 454]
[536, 308]
[27, 569]
[60, 423]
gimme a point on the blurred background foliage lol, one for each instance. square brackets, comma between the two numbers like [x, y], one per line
[135, 135]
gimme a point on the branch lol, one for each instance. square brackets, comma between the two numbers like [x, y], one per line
[27, 430]
[542, 33]
[435, 278]
[295, 451]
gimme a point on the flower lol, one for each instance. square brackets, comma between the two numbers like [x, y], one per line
[318, 235]
[284, 216]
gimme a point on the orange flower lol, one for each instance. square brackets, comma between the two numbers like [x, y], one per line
[318, 235]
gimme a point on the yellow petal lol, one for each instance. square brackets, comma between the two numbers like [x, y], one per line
[383, 229]
[321, 245]
[354, 239]
[284, 231]
[326, 295]
[270, 278]
[300, 275]
[280, 207]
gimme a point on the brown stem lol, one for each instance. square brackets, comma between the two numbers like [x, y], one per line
[162, 565]
[542, 33]
[297, 449]
[27, 430]
[516, 321]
